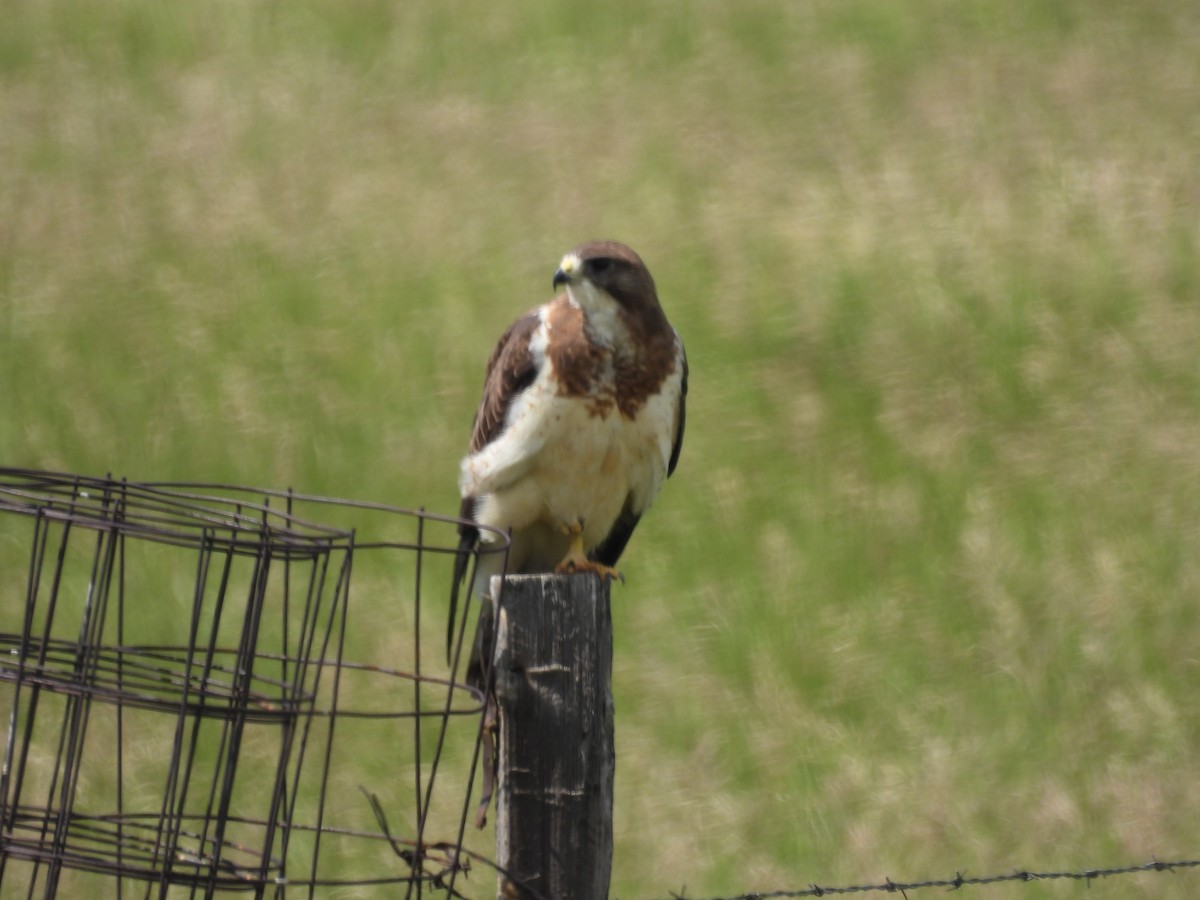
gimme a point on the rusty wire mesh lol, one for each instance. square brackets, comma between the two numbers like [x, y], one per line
[212, 689]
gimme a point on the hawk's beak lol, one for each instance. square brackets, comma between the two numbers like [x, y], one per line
[566, 270]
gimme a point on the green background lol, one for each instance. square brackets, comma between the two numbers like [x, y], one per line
[922, 594]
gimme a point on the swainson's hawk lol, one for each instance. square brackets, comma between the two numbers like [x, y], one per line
[580, 423]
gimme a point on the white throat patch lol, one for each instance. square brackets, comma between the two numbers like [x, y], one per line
[602, 311]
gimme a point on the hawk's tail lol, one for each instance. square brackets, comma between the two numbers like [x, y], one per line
[468, 539]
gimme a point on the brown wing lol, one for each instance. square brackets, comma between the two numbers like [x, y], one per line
[510, 370]
[682, 418]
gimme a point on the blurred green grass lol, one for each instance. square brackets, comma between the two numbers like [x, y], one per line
[922, 594]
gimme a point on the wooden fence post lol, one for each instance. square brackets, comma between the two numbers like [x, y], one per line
[553, 661]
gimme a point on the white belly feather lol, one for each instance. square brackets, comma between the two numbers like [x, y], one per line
[559, 462]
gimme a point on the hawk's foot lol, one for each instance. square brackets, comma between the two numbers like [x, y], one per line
[571, 566]
[576, 559]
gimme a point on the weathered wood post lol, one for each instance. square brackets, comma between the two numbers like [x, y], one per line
[553, 661]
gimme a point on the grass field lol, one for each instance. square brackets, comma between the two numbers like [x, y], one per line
[923, 594]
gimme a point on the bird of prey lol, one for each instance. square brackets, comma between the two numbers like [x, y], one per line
[580, 423]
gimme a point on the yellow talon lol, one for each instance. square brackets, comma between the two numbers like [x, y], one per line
[576, 559]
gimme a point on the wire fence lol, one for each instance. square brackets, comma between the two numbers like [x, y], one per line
[172, 675]
[192, 689]
[959, 881]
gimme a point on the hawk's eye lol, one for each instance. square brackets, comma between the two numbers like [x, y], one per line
[600, 266]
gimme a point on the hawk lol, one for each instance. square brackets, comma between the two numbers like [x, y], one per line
[580, 423]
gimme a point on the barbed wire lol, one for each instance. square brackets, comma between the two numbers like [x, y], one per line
[958, 881]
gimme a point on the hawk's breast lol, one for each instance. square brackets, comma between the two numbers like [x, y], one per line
[576, 451]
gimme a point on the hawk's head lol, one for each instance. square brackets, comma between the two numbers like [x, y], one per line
[597, 268]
